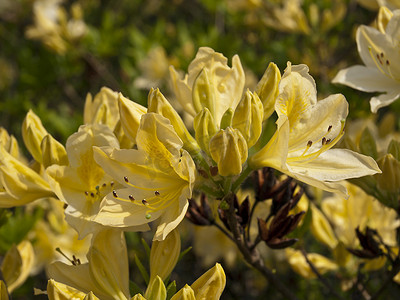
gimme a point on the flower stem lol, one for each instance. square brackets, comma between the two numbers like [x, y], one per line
[252, 256]
[241, 178]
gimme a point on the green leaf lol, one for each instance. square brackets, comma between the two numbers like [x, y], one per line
[142, 270]
[146, 247]
[183, 253]
[368, 145]
[171, 290]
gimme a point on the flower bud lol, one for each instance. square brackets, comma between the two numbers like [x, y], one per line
[156, 290]
[211, 284]
[389, 180]
[226, 119]
[185, 293]
[367, 144]
[248, 118]
[268, 89]
[9, 142]
[138, 297]
[394, 149]
[130, 115]
[17, 264]
[204, 128]
[33, 133]
[228, 149]
[164, 255]
[103, 109]
[321, 228]
[60, 291]
[3, 291]
[158, 104]
[53, 152]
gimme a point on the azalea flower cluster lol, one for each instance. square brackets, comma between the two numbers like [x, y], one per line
[128, 167]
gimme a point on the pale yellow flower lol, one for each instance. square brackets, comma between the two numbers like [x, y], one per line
[102, 109]
[20, 184]
[381, 73]
[157, 179]
[210, 70]
[83, 183]
[107, 272]
[307, 130]
[299, 263]
[360, 210]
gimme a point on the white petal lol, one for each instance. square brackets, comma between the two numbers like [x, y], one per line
[383, 100]
[366, 79]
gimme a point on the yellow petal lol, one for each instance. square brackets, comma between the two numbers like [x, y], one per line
[156, 290]
[33, 133]
[268, 88]
[130, 113]
[185, 293]
[59, 291]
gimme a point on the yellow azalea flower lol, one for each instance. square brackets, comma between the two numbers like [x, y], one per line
[381, 73]
[103, 109]
[157, 179]
[54, 232]
[107, 272]
[299, 264]
[20, 184]
[17, 265]
[53, 27]
[307, 130]
[83, 183]
[360, 210]
[210, 83]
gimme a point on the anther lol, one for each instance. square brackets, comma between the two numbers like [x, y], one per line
[309, 144]
[387, 63]
[126, 179]
[65, 205]
[86, 193]
[114, 194]
[91, 195]
[112, 183]
[97, 187]
[145, 202]
[329, 128]
[328, 141]
[104, 185]
[157, 193]
[131, 198]
[381, 54]
[323, 141]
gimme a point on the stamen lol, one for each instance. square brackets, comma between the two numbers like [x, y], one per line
[112, 183]
[157, 193]
[329, 128]
[86, 193]
[97, 188]
[115, 194]
[104, 185]
[328, 141]
[131, 198]
[323, 141]
[92, 195]
[65, 205]
[126, 179]
[145, 202]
